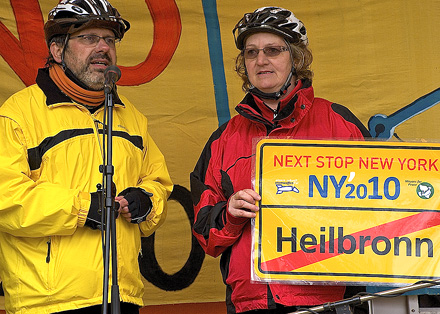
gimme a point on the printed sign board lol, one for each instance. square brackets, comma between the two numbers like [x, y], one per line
[345, 211]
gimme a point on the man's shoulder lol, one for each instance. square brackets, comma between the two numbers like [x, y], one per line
[129, 106]
[23, 98]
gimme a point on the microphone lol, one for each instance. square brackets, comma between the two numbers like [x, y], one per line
[111, 75]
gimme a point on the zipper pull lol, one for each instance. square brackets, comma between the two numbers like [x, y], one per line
[48, 251]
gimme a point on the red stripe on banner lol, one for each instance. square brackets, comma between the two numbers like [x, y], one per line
[28, 53]
[167, 29]
[390, 230]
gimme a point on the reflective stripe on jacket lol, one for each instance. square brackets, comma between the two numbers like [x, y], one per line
[49, 163]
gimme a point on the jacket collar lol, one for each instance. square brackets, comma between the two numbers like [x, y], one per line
[294, 106]
[53, 94]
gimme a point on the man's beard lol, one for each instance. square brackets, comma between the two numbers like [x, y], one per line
[93, 79]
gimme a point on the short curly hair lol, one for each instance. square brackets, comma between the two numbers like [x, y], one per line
[302, 58]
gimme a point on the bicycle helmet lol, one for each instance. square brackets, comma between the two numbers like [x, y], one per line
[275, 20]
[70, 16]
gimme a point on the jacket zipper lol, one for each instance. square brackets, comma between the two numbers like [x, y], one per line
[48, 251]
[97, 124]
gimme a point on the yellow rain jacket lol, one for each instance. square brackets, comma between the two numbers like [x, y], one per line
[51, 150]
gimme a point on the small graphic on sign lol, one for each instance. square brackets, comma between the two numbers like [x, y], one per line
[281, 188]
[425, 190]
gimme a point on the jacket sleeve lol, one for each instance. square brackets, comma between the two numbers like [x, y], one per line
[214, 228]
[33, 208]
[155, 180]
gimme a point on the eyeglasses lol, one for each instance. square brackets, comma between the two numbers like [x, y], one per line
[93, 40]
[270, 51]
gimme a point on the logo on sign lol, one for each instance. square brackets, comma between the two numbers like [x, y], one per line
[288, 186]
[425, 190]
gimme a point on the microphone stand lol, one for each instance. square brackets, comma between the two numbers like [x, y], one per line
[110, 215]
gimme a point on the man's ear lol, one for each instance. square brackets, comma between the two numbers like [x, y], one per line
[56, 51]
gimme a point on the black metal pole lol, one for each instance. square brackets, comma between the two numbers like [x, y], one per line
[110, 215]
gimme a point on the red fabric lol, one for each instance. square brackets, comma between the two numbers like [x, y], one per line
[167, 29]
[26, 54]
[227, 158]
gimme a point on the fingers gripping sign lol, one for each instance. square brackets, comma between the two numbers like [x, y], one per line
[242, 203]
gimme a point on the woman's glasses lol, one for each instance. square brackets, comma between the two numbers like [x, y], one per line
[270, 51]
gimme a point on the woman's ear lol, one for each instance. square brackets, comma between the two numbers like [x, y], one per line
[56, 51]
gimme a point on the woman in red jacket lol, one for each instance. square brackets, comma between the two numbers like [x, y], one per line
[274, 63]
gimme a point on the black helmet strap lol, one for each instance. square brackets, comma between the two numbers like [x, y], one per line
[276, 95]
[63, 64]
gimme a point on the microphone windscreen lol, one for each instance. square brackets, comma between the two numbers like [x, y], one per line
[114, 72]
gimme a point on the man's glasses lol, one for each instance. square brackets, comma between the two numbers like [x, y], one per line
[93, 40]
[270, 52]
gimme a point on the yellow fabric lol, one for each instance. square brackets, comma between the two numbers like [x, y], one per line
[48, 203]
[370, 56]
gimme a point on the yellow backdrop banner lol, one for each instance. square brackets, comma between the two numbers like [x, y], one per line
[177, 60]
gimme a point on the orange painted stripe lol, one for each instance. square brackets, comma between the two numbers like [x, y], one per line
[185, 308]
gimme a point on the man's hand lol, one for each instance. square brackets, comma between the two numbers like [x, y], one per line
[93, 219]
[135, 205]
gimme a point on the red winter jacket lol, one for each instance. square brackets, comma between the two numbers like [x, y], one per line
[224, 168]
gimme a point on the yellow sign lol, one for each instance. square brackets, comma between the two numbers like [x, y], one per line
[344, 211]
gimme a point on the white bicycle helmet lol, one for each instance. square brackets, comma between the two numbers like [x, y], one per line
[275, 20]
[70, 16]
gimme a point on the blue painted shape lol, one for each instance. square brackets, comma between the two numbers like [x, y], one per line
[216, 57]
[382, 126]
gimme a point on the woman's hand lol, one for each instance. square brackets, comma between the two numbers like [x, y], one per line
[242, 203]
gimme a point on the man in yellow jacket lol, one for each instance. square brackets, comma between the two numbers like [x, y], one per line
[51, 257]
